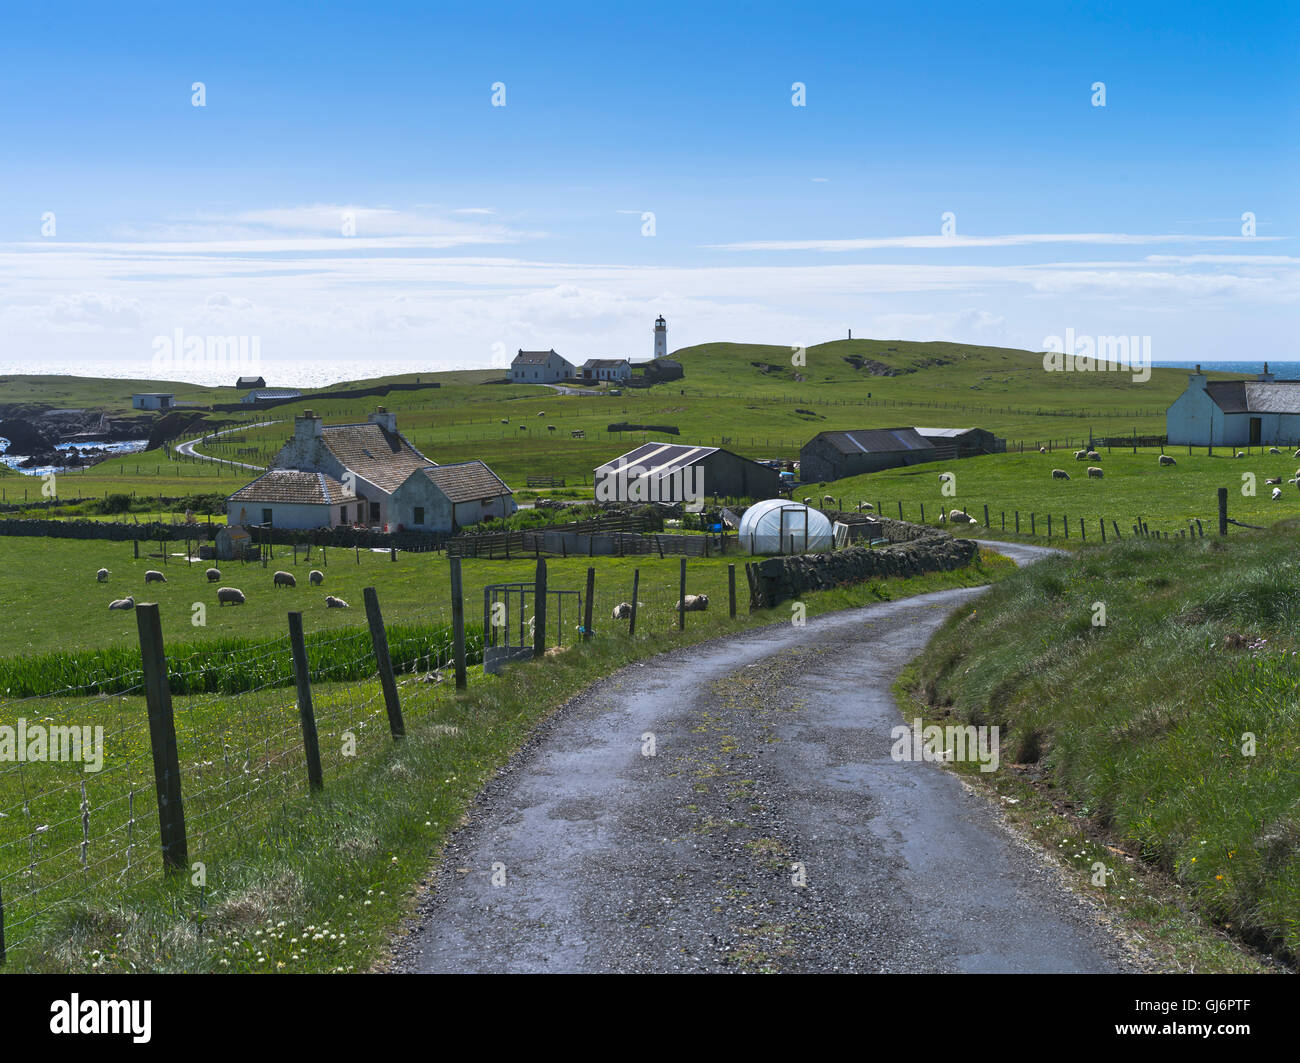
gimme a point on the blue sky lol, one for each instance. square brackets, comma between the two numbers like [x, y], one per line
[481, 229]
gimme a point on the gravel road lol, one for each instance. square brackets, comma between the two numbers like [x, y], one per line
[771, 750]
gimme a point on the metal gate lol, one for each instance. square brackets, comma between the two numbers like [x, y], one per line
[508, 613]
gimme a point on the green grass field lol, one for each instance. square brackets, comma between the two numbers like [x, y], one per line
[1173, 726]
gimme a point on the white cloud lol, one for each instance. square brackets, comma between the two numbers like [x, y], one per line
[933, 242]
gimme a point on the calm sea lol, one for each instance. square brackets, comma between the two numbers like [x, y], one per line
[1281, 370]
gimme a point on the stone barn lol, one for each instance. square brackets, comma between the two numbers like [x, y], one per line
[680, 472]
[835, 455]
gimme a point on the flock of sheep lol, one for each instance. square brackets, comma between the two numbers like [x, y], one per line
[226, 595]
[695, 603]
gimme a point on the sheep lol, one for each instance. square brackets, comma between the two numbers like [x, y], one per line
[1094, 472]
[1043, 450]
[284, 579]
[541, 413]
[1296, 454]
[1093, 456]
[1060, 474]
[154, 576]
[1079, 455]
[1277, 493]
[827, 500]
[229, 596]
[523, 428]
[122, 603]
[623, 611]
[316, 576]
[335, 603]
[213, 575]
[807, 501]
[695, 603]
[865, 505]
[1274, 450]
[550, 428]
[1239, 454]
[505, 420]
[1165, 459]
[1273, 480]
[958, 516]
[101, 576]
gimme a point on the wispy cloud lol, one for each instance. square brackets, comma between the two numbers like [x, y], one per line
[933, 242]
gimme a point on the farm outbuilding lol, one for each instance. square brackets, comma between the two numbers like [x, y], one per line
[680, 472]
[234, 542]
[779, 526]
[1254, 412]
[151, 400]
[606, 369]
[963, 442]
[835, 455]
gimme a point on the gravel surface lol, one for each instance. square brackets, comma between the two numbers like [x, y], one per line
[771, 765]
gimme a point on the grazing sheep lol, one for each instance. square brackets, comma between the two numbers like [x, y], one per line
[1165, 459]
[1079, 455]
[865, 505]
[1273, 480]
[505, 420]
[695, 603]
[523, 428]
[316, 576]
[541, 413]
[229, 596]
[1277, 493]
[1094, 472]
[827, 499]
[284, 579]
[958, 516]
[101, 576]
[550, 428]
[1274, 450]
[808, 501]
[335, 603]
[1043, 450]
[1060, 474]
[154, 576]
[122, 603]
[1239, 454]
[1296, 454]
[213, 575]
[1093, 456]
[623, 611]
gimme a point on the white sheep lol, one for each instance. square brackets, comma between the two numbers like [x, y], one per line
[865, 505]
[1277, 493]
[1273, 480]
[213, 575]
[827, 500]
[1274, 450]
[695, 603]
[541, 413]
[1165, 459]
[1094, 472]
[1093, 456]
[1060, 474]
[284, 579]
[335, 603]
[1043, 450]
[122, 603]
[1239, 454]
[550, 428]
[1079, 455]
[101, 576]
[316, 576]
[229, 596]
[958, 516]
[154, 576]
[623, 611]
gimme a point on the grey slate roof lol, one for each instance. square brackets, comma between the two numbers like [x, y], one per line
[385, 460]
[876, 440]
[467, 481]
[294, 486]
[604, 363]
[1251, 396]
[532, 357]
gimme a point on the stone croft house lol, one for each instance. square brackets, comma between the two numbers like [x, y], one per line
[539, 367]
[345, 474]
[606, 369]
[1262, 411]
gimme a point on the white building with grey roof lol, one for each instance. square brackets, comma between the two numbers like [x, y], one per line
[1261, 411]
[540, 367]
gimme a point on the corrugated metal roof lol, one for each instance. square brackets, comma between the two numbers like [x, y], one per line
[385, 460]
[659, 458]
[876, 440]
[294, 486]
[467, 481]
[944, 433]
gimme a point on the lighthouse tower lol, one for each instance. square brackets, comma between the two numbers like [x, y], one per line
[661, 337]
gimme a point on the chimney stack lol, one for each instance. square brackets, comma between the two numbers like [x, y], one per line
[387, 421]
[307, 425]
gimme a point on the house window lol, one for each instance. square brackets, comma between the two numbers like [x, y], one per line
[266, 516]
[419, 515]
[343, 514]
[374, 510]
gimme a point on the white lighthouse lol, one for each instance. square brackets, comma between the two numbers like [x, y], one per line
[661, 337]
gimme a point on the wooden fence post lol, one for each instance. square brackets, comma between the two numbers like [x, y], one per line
[379, 640]
[310, 741]
[731, 591]
[1223, 511]
[1115, 524]
[458, 623]
[986, 516]
[1017, 522]
[539, 609]
[162, 740]
[636, 584]
[591, 595]
[681, 599]
[1032, 529]
[1102, 522]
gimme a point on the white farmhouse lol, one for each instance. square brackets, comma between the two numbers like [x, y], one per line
[292, 498]
[1262, 411]
[539, 367]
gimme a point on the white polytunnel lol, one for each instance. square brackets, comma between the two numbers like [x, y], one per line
[779, 526]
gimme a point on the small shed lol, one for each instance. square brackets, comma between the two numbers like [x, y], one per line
[235, 542]
[151, 400]
[250, 382]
